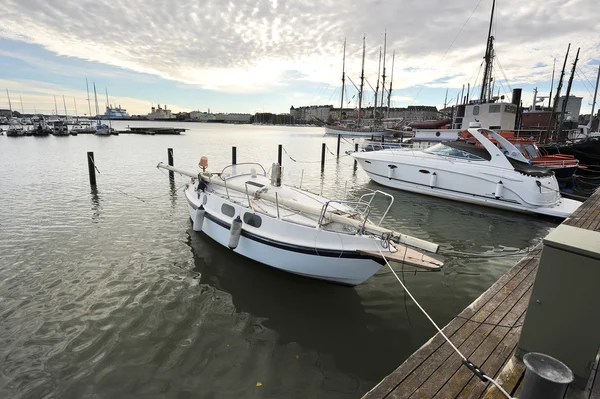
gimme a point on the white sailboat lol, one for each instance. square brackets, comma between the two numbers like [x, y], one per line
[294, 230]
[464, 172]
[101, 129]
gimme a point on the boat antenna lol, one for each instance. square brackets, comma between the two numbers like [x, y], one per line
[489, 58]
[362, 82]
[551, 84]
[594, 101]
[377, 87]
[566, 100]
[383, 76]
[343, 81]
[557, 96]
[88, 97]
[391, 81]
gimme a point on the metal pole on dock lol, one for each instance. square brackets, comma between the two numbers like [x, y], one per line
[338, 146]
[91, 168]
[323, 156]
[170, 159]
[355, 150]
[233, 155]
[545, 377]
[279, 153]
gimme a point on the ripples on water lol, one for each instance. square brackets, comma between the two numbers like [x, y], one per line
[109, 292]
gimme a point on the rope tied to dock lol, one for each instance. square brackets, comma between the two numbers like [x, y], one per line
[468, 364]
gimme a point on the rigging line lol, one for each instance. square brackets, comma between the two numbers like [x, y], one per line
[503, 73]
[449, 47]
[476, 370]
[588, 90]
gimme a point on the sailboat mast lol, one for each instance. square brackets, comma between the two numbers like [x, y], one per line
[108, 109]
[566, 100]
[557, 95]
[22, 111]
[489, 57]
[594, 102]
[391, 81]
[87, 87]
[96, 100]
[343, 81]
[55, 106]
[552, 84]
[75, 104]
[377, 87]
[362, 82]
[9, 104]
[383, 76]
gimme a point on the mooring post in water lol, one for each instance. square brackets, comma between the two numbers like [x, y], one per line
[233, 155]
[338, 146]
[170, 159]
[382, 139]
[355, 150]
[91, 168]
[279, 151]
[323, 156]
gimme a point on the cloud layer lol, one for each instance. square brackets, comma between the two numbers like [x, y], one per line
[247, 46]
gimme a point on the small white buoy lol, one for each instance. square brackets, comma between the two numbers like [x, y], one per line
[433, 180]
[199, 218]
[391, 169]
[235, 232]
[499, 190]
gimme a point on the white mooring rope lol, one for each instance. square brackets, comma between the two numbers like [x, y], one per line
[476, 370]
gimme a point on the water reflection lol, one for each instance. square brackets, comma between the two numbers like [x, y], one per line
[95, 200]
[308, 312]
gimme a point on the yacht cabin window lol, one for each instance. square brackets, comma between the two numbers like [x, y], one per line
[447, 151]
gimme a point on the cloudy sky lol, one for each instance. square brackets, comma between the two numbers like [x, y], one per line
[254, 55]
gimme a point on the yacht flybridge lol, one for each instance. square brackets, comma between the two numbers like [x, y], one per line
[484, 175]
[294, 230]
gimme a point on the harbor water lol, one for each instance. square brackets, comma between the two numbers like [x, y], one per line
[109, 293]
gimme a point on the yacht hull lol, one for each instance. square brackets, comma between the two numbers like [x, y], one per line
[332, 131]
[296, 249]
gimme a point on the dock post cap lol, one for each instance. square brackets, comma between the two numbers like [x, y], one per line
[545, 377]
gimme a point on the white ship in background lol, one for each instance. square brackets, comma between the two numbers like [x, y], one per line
[115, 113]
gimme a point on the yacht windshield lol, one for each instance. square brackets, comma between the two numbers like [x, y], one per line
[447, 151]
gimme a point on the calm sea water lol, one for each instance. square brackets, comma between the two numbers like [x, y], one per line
[108, 293]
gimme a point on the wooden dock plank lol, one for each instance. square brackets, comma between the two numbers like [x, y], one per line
[387, 385]
[452, 376]
[418, 374]
[588, 214]
[509, 379]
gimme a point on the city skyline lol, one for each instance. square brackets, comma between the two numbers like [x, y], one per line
[266, 56]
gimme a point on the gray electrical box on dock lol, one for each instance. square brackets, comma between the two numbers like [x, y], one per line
[563, 317]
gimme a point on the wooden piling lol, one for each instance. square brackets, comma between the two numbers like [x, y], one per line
[233, 155]
[323, 156]
[279, 153]
[355, 150]
[338, 146]
[170, 159]
[91, 168]
[382, 139]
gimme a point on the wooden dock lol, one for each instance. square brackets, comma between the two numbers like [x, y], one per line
[487, 333]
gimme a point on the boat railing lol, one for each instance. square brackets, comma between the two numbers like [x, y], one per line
[354, 204]
[241, 169]
[371, 196]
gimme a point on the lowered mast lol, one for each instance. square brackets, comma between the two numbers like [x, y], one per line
[362, 82]
[489, 59]
[343, 82]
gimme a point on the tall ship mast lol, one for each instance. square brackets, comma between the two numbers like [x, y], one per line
[362, 82]
[343, 81]
[486, 84]
[391, 81]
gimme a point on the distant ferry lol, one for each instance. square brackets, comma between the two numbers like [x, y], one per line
[115, 113]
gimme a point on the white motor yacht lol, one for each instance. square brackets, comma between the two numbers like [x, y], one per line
[294, 230]
[483, 175]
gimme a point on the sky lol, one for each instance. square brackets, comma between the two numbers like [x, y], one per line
[267, 55]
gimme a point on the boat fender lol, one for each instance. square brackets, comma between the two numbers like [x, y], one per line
[499, 189]
[235, 232]
[391, 171]
[433, 180]
[199, 218]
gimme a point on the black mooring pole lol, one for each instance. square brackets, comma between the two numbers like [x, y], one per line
[279, 151]
[338, 146]
[323, 156]
[170, 159]
[355, 150]
[91, 168]
[233, 155]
